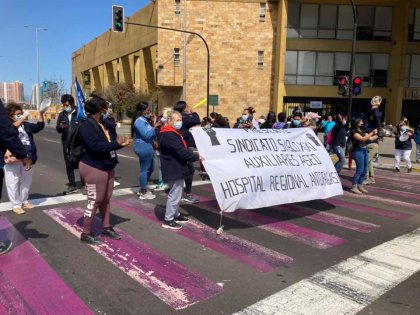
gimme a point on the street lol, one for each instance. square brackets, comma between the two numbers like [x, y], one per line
[281, 252]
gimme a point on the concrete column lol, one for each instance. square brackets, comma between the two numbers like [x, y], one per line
[397, 61]
[279, 57]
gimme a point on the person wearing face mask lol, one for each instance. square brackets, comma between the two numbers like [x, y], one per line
[359, 138]
[66, 123]
[175, 159]
[247, 119]
[296, 120]
[97, 168]
[144, 135]
[18, 179]
[338, 144]
[403, 146]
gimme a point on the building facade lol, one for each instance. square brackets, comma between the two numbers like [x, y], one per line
[272, 55]
[11, 92]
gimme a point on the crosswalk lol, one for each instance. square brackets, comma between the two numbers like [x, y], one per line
[321, 226]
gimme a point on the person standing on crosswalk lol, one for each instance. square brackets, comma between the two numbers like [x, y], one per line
[66, 123]
[19, 180]
[175, 158]
[97, 168]
[9, 140]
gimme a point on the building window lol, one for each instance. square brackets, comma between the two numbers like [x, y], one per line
[414, 25]
[263, 9]
[260, 59]
[331, 21]
[176, 57]
[177, 7]
[324, 68]
[412, 71]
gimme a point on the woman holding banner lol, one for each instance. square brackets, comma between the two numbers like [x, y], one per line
[360, 154]
[175, 159]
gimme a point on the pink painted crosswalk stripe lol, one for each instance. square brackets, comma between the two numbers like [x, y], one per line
[368, 209]
[381, 199]
[285, 229]
[330, 218]
[170, 281]
[248, 253]
[392, 192]
[28, 285]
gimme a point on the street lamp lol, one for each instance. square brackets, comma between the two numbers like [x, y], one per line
[37, 61]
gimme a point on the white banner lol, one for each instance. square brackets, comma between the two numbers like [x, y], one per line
[252, 168]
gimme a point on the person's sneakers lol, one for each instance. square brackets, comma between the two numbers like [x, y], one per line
[355, 189]
[110, 232]
[160, 187]
[372, 180]
[397, 170]
[18, 210]
[116, 184]
[171, 225]
[146, 195]
[5, 246]
[90, 239]
[367, 182]
[181, 219]
[71, 190]
[362, 189]
[189, 199]
[28, 205]
[409, 170]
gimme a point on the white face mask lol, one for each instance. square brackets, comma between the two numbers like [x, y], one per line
[178, 125]
[344, 122]
[244, 117]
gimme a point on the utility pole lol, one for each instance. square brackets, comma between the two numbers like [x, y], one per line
[352, 60]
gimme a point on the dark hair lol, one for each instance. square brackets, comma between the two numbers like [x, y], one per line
[12, 107]
[67, 98]
[140, 108]
[95, 104]
[281, 117]
[250, 110]
[298, 114]
[180, 106]
[270, 121]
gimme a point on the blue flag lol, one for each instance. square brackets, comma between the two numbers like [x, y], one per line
[80, 101]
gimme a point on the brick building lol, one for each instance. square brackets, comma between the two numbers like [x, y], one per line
[266, 54]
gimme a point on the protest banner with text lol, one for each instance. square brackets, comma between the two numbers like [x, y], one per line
[252, 168]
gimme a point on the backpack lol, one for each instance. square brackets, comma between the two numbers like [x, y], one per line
[74, 148]
[330, 138]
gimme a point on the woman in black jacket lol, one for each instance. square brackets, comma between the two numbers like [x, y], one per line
[175, 158]
[97, 168]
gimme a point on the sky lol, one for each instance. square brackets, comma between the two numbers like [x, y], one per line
[70, 24]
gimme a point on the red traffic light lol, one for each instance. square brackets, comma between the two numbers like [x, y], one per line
[357, 86]
[343, 80]
[357, 81]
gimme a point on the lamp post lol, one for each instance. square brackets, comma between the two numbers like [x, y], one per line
[352, 58]
[186, 32]
[38, 86]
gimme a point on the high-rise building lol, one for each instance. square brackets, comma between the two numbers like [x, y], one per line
[11, 92]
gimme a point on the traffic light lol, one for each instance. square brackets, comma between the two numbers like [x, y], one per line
[118, 18]
[343, 85]
[357, 86]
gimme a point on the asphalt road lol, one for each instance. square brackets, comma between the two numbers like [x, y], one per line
[264, 254]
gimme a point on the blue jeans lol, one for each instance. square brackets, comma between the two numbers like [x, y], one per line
[145, 153]
[360, 156]
[339, 151]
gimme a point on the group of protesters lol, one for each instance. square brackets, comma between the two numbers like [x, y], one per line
[168, 137]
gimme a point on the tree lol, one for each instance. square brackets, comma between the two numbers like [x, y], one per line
[124, 98]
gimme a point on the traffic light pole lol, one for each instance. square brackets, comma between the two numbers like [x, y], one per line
[352, 59]
[188, 32]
